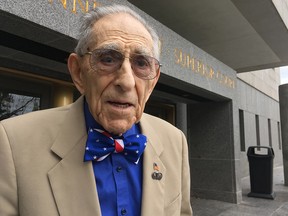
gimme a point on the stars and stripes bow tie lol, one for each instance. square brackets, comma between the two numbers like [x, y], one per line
[100, 144]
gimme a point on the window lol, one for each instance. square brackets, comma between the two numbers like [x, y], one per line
[269, 132]
[21, 94]
[12, 104]
[279, 135]
[257, 130]
[242, 130]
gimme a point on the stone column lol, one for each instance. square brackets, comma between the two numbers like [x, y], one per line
[181, 117]
[213, 160]
[283, 101]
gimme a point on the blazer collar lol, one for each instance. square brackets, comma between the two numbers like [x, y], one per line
[147, 128]
[73, 130]
[153, 190]
[72, 180]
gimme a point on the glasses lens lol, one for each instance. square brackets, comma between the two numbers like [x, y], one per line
[106, 60]
[145, 67]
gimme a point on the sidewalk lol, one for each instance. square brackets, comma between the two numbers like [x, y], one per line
[249, 206]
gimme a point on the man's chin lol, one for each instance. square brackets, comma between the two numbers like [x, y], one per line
[118, 127]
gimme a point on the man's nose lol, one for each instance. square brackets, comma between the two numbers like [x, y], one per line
[125, 76]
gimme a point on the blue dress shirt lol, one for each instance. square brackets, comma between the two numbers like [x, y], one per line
[118, 181]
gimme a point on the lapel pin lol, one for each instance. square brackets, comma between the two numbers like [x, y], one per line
[156, 175]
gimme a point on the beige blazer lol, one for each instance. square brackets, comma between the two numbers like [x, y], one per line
[42, 172]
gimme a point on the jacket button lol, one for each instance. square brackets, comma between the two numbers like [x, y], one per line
[119, 169]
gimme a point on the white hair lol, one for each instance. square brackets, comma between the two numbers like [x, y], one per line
[89, 19]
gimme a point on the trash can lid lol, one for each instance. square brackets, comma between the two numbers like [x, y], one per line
[251, 151]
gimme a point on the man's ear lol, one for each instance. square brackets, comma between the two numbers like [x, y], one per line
[74, 67]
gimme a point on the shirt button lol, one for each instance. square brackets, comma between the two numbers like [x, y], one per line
[119, 169]
[123, 211]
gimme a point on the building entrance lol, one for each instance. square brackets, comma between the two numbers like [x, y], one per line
[21, 93]
[165, 111]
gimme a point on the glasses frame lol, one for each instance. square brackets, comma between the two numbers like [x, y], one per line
[157, 71]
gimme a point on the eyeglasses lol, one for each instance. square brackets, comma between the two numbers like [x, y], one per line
[106, 61]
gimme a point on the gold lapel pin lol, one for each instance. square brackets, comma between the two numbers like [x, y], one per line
[156, 175]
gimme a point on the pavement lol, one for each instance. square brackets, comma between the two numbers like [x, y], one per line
[249, 206]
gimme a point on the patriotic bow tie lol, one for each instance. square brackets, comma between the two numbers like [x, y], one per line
[100, 144]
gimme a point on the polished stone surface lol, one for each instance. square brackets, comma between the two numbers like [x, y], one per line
[249, 206]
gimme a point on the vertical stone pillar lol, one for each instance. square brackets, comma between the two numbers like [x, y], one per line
[181, 117]
[213, 162]
[283, 101]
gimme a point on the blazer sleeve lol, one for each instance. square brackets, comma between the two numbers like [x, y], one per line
[8, 184]
[186, 209]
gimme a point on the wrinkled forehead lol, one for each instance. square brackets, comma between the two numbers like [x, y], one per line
[120, 40]
[121, 31]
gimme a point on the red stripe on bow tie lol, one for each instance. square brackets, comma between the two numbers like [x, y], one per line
[119, 145]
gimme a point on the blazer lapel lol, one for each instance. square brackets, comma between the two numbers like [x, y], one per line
[72, 180]
[153, 189]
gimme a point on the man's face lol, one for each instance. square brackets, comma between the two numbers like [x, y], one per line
[115, 100]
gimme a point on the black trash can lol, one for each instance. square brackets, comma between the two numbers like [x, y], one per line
[261, 171]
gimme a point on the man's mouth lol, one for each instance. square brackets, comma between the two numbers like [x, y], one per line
[119, 104]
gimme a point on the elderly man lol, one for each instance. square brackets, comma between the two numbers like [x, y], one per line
[86, 158]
